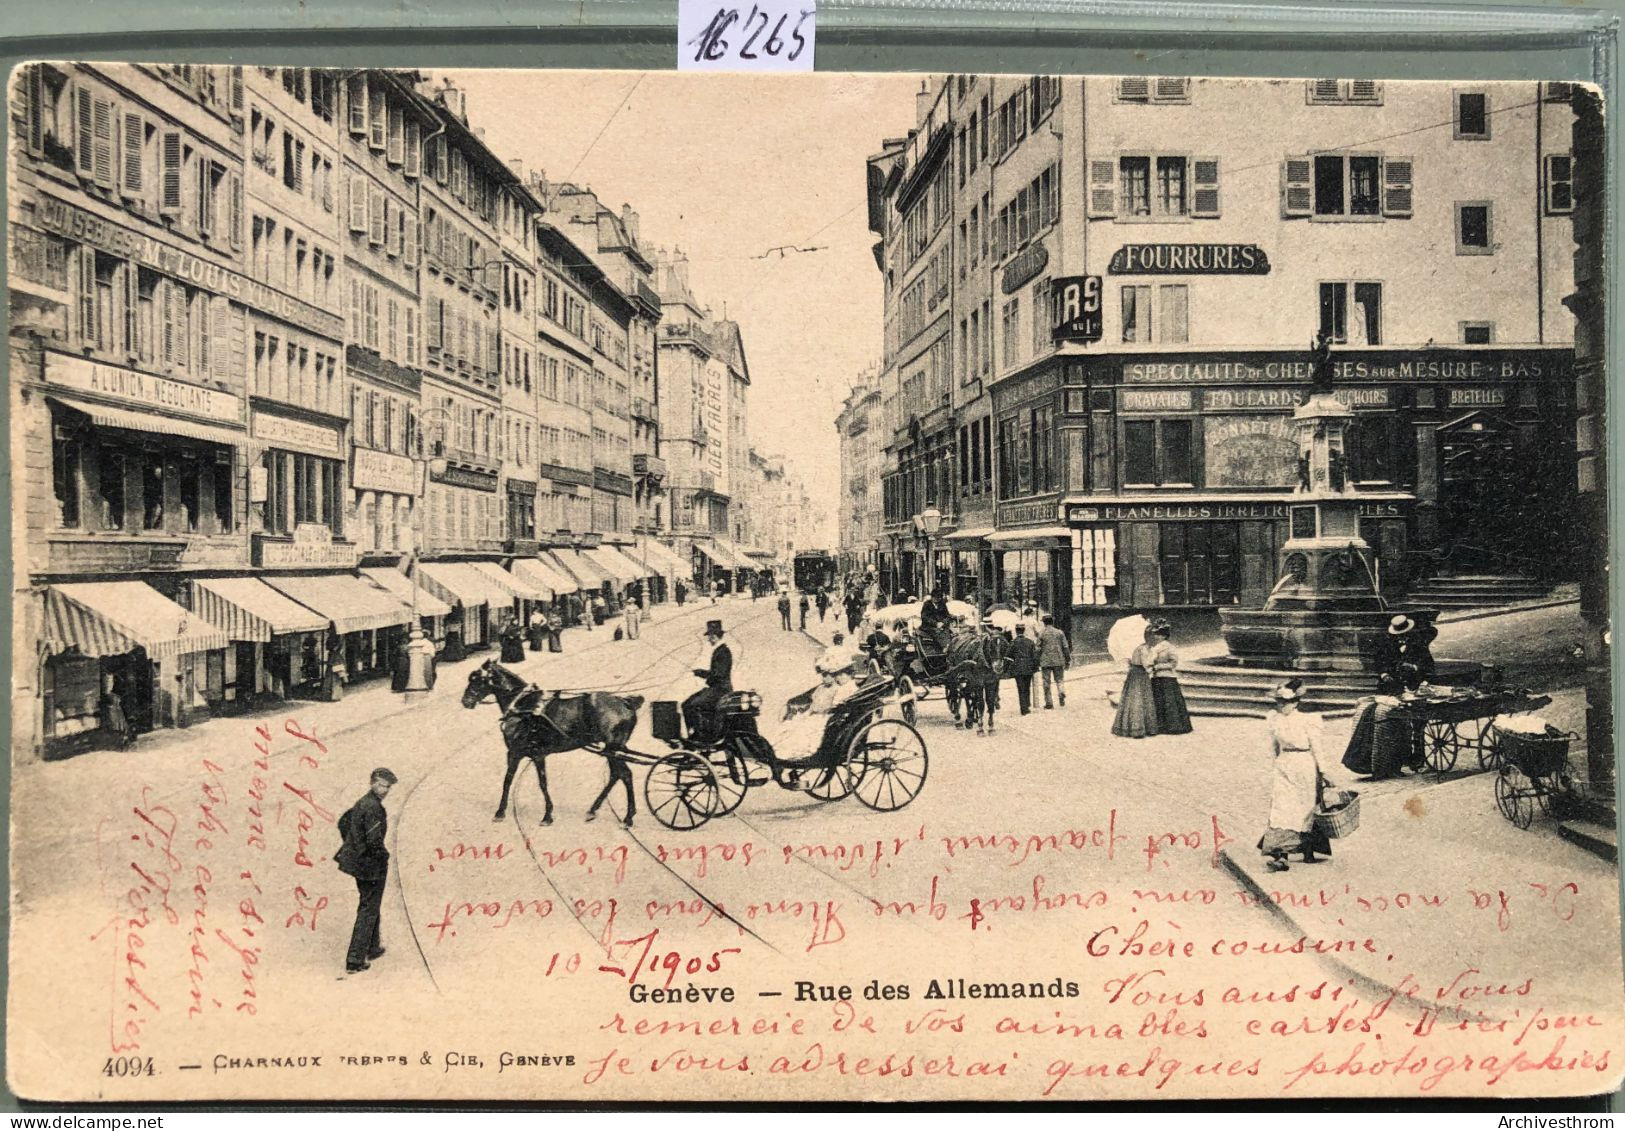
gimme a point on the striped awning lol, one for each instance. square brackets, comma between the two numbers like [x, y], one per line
[108, 417]
[514, 586]
[585, 572]
[351, 604]
[249, 609]
[544, 575]
[664, 559]
[109, 618]
[401, 588]
[617, 566]
[456, 584]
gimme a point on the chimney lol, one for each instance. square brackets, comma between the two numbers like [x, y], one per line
[455, 101]
[922, 103]
[629, 219]
[518, 167]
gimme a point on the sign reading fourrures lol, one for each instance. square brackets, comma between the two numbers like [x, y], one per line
[972, 601]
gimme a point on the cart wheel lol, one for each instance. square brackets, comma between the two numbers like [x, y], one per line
[833, 782]
[1489, 748]
[681, 791]
[1442, 743]
[1515, 793]
[891, 761]
[733, 782]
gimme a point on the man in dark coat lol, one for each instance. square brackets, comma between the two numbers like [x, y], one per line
[935, 618]
[784, 609]
[364, 857]
[1023, 657]
[716, 667]
[1403, 654]
[1054, 657]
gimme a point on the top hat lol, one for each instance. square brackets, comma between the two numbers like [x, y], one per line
[713, 628]
[1400, 625]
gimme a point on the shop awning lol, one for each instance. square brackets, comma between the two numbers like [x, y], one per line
[456, 584]
[588, 575]
[109, 618]
[400, 586]
[724, 555]
[760, 556]
[107, 417]
[249, 609]
[1031, 534]
[973, 534]
[664, 559]
[544, 575]
[615, 562]
[512, 584]
[351, 604]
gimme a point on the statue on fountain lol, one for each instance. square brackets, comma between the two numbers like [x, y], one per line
[1321, 371]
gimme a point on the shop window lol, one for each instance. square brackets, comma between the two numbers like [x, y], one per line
[1472, 116]
[191, 491]
[110, 488]
[222, 493]
[1477, 333]
[1157, 453]
[1361, 325]
[67, 455]
[1473, 234]
[1559, 184]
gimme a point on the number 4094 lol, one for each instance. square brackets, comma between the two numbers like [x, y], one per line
[129, 1066]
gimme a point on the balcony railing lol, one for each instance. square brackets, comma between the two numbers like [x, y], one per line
[643, 408]
[652, 467]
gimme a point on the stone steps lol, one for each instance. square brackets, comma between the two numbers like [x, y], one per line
[1472, 591]
[1221, 687]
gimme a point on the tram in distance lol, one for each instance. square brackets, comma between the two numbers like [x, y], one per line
[814, 570]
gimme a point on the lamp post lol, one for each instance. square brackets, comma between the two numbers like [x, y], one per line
[930, 523]
[419, 649]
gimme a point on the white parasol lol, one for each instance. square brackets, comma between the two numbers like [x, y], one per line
[1003, 618]
[1125, 636]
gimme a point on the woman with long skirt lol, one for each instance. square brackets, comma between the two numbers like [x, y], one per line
[1295, 791]
[1137, 710]
[1169, 700]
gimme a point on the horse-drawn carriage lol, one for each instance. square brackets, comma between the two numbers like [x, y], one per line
[861, 751]
[967, 664]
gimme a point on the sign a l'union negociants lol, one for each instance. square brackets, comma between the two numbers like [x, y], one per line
[1189, 259]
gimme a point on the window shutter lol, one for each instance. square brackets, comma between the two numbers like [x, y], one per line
[394, 222]
[397, 136]
[1134, 89]
[234, 220]
[205, 203]
[171, 315]
[1102, 188]
[355, 310]
[220, 333]
[1173, 89]
[375, 215]
[414, 149]
[1396, 186]
[358, 104]
[1205, 186]
[434, 326]
[409, 237]
[376, 119]
[358, 204]
[237, 91]
[1297, 186]
[132, 183]
[1324, 90]
[36, 108]
[85, 288]
[104, 112]
[84, 131]
[170, 155]
[440, 161]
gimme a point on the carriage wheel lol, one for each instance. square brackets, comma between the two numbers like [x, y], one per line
[1442, 744]
[891, 761]
[1489, 748]
[1515, 796]
[733, 782]
[905, 689]
[681, 791]
[833, 782]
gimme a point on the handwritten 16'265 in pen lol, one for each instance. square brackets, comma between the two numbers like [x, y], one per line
[768, 35]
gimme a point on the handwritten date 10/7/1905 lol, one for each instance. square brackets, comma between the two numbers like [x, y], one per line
[710, 46]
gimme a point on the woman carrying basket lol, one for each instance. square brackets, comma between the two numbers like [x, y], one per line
[1295, 791]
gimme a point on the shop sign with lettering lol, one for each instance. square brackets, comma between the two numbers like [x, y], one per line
[1189, 259]
[1360, 366]
[1377, 397]
[1024, 267]
[467, 477]
[271, 552]
[1201, 512]
[1227, 400]
[383, 471]
[299, 435]
[1478, 398]
[85, 227]
[1250, 451]
[1156, 400]
[1077, 309]
[1041, 384]
[143, 390]
[1026, 514]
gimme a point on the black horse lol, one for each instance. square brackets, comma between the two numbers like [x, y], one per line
[975, 664]
[536, 724]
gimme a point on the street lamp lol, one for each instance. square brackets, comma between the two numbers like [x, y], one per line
[419, 649]
[930, 523]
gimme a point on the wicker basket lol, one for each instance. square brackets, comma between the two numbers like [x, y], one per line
[1339, 817]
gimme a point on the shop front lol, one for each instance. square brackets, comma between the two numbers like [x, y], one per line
[525, 596]
[271, 638]
[431, 610]
[367, 624]
[113, 650]
[965, 568]
[470, 597]
[1033, 564]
